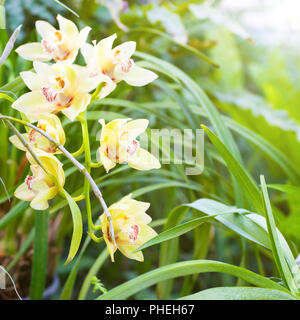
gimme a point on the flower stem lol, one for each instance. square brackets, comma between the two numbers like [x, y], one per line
[78, 152]
[95, 164]
[77, 164]
[86, 144]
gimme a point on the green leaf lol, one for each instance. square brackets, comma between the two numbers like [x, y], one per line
[241, 221]
[185, 46]
[242, 177]
[40, 254]
[67, 8]
[13, 213]
[6, 97]
[77, 227]
[185, 268]
[175, 232]
[269, 149]
[278, 252]
[203, 100]
[22, 250]
[67, 290]
[239, 293]
[14, 86]
[285, 188]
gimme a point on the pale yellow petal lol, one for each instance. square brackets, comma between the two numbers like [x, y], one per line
[143, 160]
[107, 163]
[23, 193]
[44, 71]
[124, 51]
[136, 127]
[53, 166]
[83, 34]
[17, 143]
[110, 247]
[107, 88]
[67, 27]
[88, 83]
[40, 201]
[33, 103]
[104, 53]
[127, 248]
[44, 29]
[32, 81]
[88, 52]
[138, 76]
[33, 51]
[69, 72]
[79, 104]
[137, 209]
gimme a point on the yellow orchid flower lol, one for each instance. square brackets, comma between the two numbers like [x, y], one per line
[115, 63]
[118, 144]
[130, 221]
[59, 45]
[39, 188]
[54, 88]
[52, 126]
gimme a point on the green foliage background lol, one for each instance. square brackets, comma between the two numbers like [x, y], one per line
[250, 105]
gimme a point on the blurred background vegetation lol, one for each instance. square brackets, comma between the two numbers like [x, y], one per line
[257, 87]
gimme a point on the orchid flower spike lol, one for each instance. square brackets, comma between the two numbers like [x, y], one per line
[49, 123]
[131, 228]
[59, 45]
[39, 187]
[115, 63]
[54, 88]
[118, 144]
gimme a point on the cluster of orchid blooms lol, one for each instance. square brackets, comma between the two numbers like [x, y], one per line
[65, 87]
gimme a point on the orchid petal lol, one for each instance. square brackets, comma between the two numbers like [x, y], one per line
[107, 163]
[44, 28]
[83, 34]
[87, 50]
[67, 27]
[124, 51]
[143, 160]
[17, 143]
[40, 201]
[107, 88]
[138, 77]
[33, 103]
[23, 193]
[104, 52]
[136, 127]
[79, 105]
[32, 81]
[33, 51]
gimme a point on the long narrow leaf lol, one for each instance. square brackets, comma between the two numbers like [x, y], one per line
[277, 250]
[240, 293]
[77, 227]
[181, 269]
[40, 253]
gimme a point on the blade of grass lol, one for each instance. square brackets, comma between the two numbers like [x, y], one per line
[22, 250]
[67, 290]
[77, 227]
[245, 181]
[15, 212]
[181, 269]
[40, 253]
[185, 46]
[240, 293]
[277, 250]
